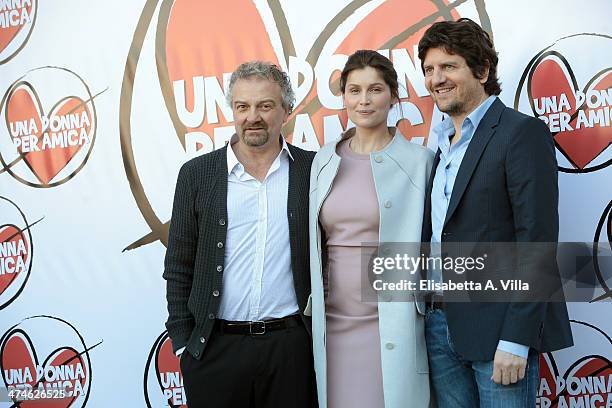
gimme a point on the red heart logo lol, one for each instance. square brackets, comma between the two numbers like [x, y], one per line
[550, 80]
[9, 33]
[168, 370]
[14, 251]
[597, 367]
[19, 357]
[548, 373]
[580, 380]
[187, 57]
[19, 354]
[50, 154]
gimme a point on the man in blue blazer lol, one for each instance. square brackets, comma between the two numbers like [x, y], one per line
[494, 180]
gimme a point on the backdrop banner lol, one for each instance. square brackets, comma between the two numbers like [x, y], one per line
[103, 101]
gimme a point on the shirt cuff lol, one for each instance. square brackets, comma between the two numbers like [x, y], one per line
[513, 348]
[180, 351]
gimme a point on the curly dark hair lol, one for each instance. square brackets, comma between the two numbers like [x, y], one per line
[465, 38]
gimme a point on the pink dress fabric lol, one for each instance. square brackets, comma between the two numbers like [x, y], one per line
[350, 218]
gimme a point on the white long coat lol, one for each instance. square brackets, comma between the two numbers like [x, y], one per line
[401, 171]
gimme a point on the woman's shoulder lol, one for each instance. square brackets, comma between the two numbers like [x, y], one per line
[326, 151]
[409, 150]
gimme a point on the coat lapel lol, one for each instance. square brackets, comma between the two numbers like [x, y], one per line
[479, 141]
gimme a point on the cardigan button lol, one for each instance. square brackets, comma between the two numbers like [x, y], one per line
[211, 316]
[219, 244]
[202, 340]
[219, 268]
[197, 353]
[221, 221]
[215, 293]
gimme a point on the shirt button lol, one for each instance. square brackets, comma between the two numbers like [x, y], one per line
[221, 221]
[378, 159]
[390, 346]
[387, 204]
[197, 353]
[211, 316]
[219, 244]
[219, 268]
[202, 340]
[215, 293]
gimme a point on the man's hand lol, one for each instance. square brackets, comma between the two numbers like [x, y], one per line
[508, 368]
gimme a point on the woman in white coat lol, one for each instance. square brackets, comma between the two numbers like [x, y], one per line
[366, 188]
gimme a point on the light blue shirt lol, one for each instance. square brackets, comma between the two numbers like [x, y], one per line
[451, 157]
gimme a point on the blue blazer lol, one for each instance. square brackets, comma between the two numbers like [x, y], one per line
[505, 191]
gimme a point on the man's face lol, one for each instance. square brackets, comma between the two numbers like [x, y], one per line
[258, 111]
[450, 82]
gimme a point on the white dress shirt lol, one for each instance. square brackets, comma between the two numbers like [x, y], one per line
[258, 281]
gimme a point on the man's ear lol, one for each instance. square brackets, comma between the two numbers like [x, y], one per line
[484, 77]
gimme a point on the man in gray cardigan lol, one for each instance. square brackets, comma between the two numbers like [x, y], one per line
[237, 260]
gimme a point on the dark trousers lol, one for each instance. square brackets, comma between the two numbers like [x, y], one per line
[270, 370]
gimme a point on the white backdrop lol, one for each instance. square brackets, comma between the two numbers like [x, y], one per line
[134, 77]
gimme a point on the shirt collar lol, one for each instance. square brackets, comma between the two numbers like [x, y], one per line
[477, 114]
[446, 128]
[232, 160]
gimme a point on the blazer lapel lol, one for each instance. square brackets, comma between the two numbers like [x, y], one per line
[479, 141]
[427, 228]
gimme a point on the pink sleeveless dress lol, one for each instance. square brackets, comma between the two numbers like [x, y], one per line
[350, 219]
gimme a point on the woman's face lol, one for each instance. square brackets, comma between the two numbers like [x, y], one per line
[367, 98]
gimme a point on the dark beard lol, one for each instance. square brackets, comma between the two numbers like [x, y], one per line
[453, 109]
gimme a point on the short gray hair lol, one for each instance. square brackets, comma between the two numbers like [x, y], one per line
[266, 70]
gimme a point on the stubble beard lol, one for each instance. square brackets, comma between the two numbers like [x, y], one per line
[454, 108]
[255, 139]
